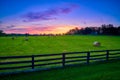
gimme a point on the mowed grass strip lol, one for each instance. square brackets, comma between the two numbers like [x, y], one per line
[101, 71]
[55, 44]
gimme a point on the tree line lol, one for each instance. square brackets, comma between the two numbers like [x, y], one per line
[104, 29]
[2, 33]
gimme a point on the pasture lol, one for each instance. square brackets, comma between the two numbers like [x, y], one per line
[59, 44]
[55, 44]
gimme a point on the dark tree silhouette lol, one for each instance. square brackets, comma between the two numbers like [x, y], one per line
[2, 33]
[103, 30]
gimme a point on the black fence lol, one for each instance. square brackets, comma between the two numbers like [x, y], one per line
[63, 59]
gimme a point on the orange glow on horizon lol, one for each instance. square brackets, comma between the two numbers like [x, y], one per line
[53, 30]
[41, 30]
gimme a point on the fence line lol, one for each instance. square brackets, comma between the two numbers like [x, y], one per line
[64, 58]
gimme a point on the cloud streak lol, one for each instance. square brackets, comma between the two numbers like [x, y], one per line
[38, 30]
[11, 26]
[2, 27]
[50, 14]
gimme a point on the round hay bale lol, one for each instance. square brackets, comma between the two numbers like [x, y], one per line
[13, 38]
[97, 44]
[26, 38]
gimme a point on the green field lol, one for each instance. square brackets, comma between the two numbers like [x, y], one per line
[101, 71]
[55, 44]
[59, 44]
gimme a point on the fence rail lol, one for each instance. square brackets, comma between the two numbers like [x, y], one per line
[62, 58]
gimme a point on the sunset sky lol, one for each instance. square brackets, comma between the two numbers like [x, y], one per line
[56, 16]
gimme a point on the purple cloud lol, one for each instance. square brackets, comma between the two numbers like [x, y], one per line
[33, 16]
[18, 29]
[6, 27]
[29, 29]
[0, 22]
[48, 14]
[11, 26]
[1, 26]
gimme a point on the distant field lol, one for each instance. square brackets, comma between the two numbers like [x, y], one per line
[55, 44]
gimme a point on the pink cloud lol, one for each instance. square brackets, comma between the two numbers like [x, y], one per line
[38, 30]
[30, 30]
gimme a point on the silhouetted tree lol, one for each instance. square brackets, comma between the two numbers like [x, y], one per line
[103, 30]
[73, 31]
[2, 33]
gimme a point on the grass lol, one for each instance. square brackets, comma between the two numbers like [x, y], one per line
[55, 44]
[101, 71]
[59, 44]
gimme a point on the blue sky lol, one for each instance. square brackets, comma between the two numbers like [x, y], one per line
[56, 16]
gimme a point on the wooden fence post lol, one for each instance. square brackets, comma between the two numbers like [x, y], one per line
[32, 61]
[88, 57]
[63, 59]
[107, 55]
